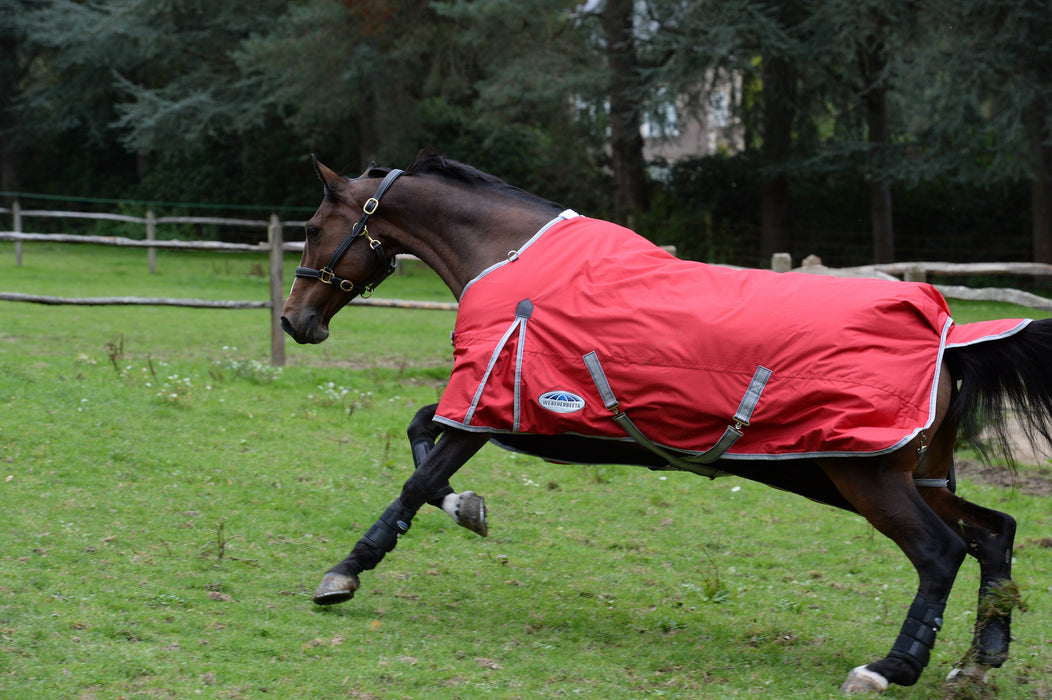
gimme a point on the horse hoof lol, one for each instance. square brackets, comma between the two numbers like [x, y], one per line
[471, 513]
[862, 680]
[335, 588]
[972, 673]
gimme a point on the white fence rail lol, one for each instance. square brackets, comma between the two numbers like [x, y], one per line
[276, 246]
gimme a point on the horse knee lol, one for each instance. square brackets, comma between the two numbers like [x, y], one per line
[423, 424]
[991, 543]
[422, 433]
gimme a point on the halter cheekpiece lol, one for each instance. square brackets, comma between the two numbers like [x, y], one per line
[326, 275]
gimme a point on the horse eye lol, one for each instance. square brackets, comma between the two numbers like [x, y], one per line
[312, 231]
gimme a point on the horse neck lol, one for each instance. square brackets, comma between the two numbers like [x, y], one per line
[460, 231]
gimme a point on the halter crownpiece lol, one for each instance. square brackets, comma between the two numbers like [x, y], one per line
[326, 275]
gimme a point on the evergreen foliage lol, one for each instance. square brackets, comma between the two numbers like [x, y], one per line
[216, 102]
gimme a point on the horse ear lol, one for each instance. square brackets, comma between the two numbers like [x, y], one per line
[326, 175]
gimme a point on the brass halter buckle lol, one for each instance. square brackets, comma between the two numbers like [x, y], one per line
[327, 274]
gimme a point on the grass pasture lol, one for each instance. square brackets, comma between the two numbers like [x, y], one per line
[168, 503]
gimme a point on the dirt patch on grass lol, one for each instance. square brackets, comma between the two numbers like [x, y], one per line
[1032, 481]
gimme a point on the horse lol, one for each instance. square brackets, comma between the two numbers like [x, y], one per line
[464, 224]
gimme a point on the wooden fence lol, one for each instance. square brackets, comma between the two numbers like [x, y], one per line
[276, 246]
[919, 271]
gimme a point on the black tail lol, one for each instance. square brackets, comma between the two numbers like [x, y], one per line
[1012, 375]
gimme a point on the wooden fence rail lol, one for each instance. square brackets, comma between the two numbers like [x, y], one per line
[134, 242]
[276, 246]
[918, 272]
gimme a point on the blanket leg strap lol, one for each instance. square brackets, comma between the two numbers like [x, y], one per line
[697, 463]
[932, 483]
[950, 482]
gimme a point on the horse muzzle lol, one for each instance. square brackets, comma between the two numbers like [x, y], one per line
[305, 330]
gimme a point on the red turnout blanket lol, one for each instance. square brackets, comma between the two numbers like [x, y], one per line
[590, 321]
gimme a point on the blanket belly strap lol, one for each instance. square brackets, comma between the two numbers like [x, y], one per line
[697, 463]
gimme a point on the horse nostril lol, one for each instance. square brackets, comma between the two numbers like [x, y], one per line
[306, 329]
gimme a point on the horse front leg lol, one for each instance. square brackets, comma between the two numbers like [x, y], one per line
[454, 449]
[467, 509]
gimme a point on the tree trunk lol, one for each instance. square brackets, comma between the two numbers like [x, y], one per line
[9, 180]
[880, 213]
[1039, 135]
[9, 78]
[873, 61]
[779, 110]
[626, 141]
[370, 140]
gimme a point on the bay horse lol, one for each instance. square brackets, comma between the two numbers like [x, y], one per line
[464, 223]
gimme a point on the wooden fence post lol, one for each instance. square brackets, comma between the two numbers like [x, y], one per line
[16, 225]
[781, 262]
[277, 290]
[915, 274]
[151, 235]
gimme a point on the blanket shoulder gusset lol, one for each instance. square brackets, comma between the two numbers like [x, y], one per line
[853, 363]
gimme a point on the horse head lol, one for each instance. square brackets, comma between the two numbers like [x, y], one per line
[340, 259]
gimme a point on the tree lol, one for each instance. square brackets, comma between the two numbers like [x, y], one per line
[10, 86]
[625, 99]
[199, 99]
[779, 107]
[129, 79]
[763, 43]
[536, 113]
[993, 111]
[873, 33]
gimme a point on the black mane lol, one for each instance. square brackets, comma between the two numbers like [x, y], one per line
[430, 163]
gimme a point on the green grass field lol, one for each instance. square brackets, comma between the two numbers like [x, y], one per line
[169, 502]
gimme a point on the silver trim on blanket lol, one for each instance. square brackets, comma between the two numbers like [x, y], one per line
[513, 255]
[523, 311]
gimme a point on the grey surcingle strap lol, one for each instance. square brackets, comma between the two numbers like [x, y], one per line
[697, 463]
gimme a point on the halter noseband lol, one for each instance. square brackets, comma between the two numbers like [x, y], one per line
[326, 274]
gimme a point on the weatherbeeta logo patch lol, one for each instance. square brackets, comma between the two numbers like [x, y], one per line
[561, 401]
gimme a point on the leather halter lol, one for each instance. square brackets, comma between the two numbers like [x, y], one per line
[326, 274]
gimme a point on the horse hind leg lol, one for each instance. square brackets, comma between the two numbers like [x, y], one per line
[881, 489]
[989, 536]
